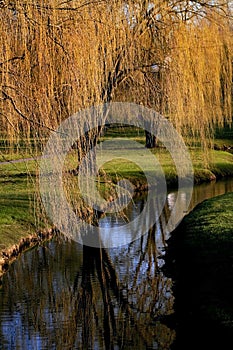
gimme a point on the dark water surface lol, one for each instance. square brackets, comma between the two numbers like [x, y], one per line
[67, 296]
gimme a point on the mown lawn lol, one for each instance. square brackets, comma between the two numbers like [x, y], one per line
[17, 189]
[18, 180]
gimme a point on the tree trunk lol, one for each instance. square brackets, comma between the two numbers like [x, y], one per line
[151, 140]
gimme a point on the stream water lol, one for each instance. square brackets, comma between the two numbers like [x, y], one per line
[66, 296]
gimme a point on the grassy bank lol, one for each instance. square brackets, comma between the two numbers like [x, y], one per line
[221, 165]
[17, 181]
[17, 189]
[19, 227]
[200, 259]
[220, 159]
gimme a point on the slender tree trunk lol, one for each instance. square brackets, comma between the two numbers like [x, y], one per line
[151, 140]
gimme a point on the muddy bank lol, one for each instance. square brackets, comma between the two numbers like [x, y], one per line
[8, 256]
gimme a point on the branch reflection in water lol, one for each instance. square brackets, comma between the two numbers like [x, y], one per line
[67, 296]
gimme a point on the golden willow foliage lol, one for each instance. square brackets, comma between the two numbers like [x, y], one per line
[199, 79]
[59, 57]
[54, 62]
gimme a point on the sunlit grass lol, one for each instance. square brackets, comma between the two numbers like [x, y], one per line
[18, 181]
[221, 164]
[223, 142]
[17, 189]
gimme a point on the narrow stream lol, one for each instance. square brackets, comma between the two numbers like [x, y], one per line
[67, 296]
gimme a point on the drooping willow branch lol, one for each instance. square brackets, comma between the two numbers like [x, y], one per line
[17, 110]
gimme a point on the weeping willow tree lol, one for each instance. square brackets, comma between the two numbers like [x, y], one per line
[56, 59]
[60, 57]
[199, 78]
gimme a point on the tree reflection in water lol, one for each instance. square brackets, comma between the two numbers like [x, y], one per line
[65, 296]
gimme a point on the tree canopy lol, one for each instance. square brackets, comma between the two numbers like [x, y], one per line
[59, 57]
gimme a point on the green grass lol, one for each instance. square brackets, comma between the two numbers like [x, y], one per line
[223, 142]
[221, 162]
[7, 157]
[202, 248]
[211, 222]
[16, 198]
[221, 165]
[17, 180]
[124, 131]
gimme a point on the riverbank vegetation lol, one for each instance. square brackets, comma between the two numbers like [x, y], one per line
[171, 57]
[62, 58]
[18, 190]
[199, 258]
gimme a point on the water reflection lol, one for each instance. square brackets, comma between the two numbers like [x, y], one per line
[66, 296]
[72, 297]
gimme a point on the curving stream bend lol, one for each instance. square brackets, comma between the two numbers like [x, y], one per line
[67, 296]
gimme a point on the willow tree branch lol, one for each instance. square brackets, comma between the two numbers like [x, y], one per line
[13, 59]
[17, 110]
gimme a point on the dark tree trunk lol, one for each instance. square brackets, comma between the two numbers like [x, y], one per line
[151, 140]
[87, 142]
